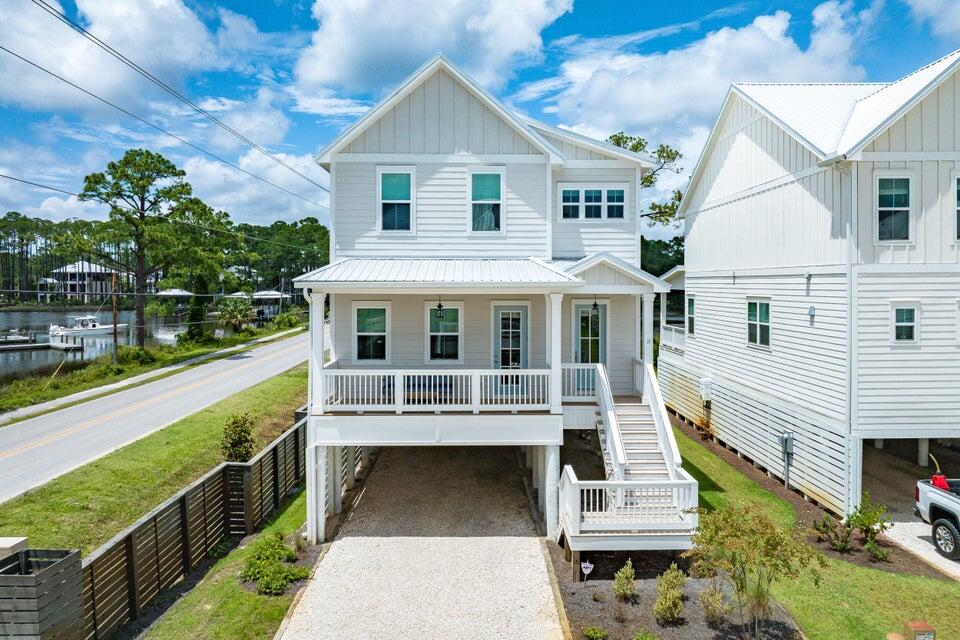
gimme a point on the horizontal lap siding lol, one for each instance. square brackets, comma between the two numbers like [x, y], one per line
[806, 363]
[582, 238]
[909, 388]
[752, 423]
[441, 214]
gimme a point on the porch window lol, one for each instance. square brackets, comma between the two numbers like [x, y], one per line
[691, 307]
[571, 203]
[486, 200]
[371, 330]
[395, 189]
[905, 323]
[444, 333]
[893, 209]
[758, 322]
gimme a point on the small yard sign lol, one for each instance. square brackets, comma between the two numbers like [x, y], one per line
[586, 567]
[218, 334]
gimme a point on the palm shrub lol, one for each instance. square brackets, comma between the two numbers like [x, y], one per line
[234, 312]
[236, 442]
[623, 582]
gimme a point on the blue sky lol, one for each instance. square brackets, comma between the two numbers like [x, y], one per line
[291, 74]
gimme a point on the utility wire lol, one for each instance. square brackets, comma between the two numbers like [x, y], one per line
[107, 296]
[195, 224]
[167, 88]
[157, 127]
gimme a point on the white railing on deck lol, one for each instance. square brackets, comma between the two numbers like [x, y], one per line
[672, 337]
[668, 443]
[578, 382]
[606, 506]
[435, 390]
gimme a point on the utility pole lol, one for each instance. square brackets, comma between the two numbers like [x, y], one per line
[116, 339]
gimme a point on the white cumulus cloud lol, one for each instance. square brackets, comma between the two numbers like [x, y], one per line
[943, 16]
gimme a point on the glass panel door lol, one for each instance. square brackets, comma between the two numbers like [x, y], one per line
[510, 343]
[591, 333]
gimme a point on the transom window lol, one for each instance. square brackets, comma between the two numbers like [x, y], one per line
[371, 330]
[395, 188]
[893, 209]
[758, 322]
[592, 202]
[904, 322]
[486, 200]
[444, 332]
[691, 307]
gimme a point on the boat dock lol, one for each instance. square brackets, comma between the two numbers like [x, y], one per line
[29, 343]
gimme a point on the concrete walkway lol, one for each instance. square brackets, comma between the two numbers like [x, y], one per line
[440, 545]
[42, 407]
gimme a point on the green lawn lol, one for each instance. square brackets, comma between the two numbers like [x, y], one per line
[851, 602]
[86, 507]
[44, 386]
[220, 607]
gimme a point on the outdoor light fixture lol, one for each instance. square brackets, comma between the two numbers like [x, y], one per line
[596, 307]
[439, 309]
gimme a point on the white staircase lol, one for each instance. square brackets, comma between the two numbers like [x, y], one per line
[641, 444]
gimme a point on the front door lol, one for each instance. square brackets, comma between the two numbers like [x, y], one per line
[591, 333]
[510, 337]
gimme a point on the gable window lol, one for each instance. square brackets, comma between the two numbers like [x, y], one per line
[589, 201]
[371, 332]
[904, 328]
[893, 209]
[758, 322]
[444, 333]
[486, 200]
[395, 194]
[690, 315]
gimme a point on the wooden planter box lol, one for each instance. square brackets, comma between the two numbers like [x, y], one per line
[41, 595]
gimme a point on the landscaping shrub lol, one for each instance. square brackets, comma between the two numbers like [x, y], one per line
[645, 635]
[292, 317]
[876, 552]
[268, 565]
[594, 633]
[672, 578]
[714, 605]
[669, 604]
[623, 585]
[236, 443]
[836, 534]
[870, 520]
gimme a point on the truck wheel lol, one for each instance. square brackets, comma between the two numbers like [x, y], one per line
[946, 538]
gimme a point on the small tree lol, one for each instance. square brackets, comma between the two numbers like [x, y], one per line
[870, 520]
[236, 443]
[234, 312]
[665, 159]
[741, 543]
[623, 585]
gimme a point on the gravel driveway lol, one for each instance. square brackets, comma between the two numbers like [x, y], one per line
[440, 545]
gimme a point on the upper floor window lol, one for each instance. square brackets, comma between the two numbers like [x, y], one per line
[486, 200]
[758, 322]
[444, 333]
[371, 332]
[905, 317]
[691, 308]
[893, 209]
[395, 192]
[592, 201]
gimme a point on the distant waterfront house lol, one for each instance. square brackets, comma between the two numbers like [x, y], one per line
[485, 289]
[86, 281]
[822, 228]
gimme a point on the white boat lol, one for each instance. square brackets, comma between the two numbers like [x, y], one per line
[83, 326]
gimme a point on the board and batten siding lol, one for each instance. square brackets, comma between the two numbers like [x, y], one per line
[905, 390]
[806, 363]
[441, 214]
[441, 116]
[580, 238]
[933, 125]
[752, 422]
[573, 151]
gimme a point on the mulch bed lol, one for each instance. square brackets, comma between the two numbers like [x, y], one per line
[592, 603]
[900, 560]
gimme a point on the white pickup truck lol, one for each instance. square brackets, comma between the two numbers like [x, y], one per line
[941, 509]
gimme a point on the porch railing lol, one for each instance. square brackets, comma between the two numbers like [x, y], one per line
[609, 506]
[578, 382]
[433, 390]
[673, 338]
[668, 443]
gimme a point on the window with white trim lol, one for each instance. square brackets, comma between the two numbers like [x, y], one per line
[691, 308]
[444, 332]
[893, 208]
[486, 200]
[592, 201]
[371, 332]
[395, 193]
[905, 318]
[758, 322]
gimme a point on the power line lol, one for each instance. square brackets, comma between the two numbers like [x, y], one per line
[195, 224]
[157, 127]
[167, 88]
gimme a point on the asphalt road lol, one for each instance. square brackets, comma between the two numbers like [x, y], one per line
[37, 450]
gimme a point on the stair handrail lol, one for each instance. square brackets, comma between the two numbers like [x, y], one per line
[608, 414]
[654, 398]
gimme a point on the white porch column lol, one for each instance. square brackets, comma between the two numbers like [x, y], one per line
[648, 328]
[556, 384]
[315, 392]
[923, 452]
[663, 312]
[548, 316]
[878, 443]
[541, 478]
[316, 463]
[552, 469]
[365, 458]
[334, 494]
[351, 478]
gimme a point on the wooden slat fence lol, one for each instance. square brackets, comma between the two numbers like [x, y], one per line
[233, 499]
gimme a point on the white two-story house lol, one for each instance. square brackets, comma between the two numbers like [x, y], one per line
[484, 289]
[822, 276]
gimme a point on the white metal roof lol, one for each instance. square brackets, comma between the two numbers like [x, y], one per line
[580, 139]
[269, 294]
[82, 266]
[633, 271]
[174, 293]
[418, 272]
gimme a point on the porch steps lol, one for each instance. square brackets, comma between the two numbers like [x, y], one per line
[640, 442]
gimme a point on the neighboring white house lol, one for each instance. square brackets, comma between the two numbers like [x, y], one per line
[484, 289]
[822, 275]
